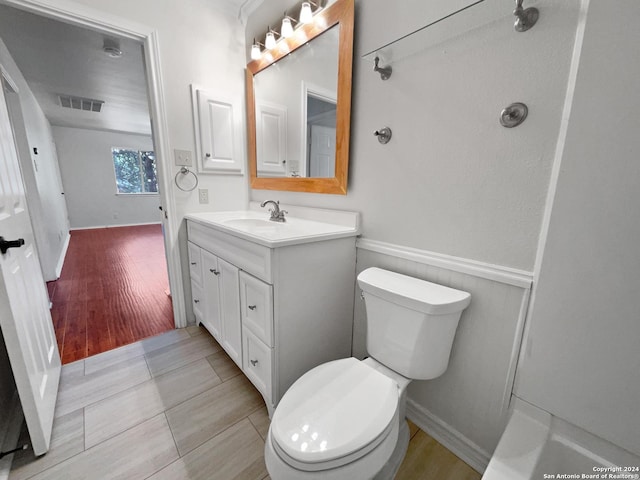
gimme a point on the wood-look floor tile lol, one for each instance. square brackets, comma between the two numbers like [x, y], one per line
[181, 353]
[71, 372]
[67, 440]
[197, 420]
[195, 330]
[119, 412]
[260, 420]
[82, 391]
[148, 345]
[223, 365]
[426, 459]
[413, 428]
[235, 454]
[134, 454]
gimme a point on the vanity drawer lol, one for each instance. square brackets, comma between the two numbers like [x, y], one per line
[197, 302]
[257, 362]
[195, 262]
[256, 307]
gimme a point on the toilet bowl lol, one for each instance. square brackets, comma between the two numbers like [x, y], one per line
[345, 419]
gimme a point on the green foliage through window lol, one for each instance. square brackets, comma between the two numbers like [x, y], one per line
[136, 171]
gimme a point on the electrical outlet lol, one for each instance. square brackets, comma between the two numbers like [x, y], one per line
[183, 158]
[203, 193]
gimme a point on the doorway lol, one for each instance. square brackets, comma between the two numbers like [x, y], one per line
[165, 197]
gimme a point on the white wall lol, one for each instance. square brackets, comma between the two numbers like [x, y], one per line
[88, 177]
[40, 172]
[581, 360]
[452, 181]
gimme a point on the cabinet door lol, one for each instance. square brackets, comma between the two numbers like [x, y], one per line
[211, 286]
[230, 311]
[258, 363]
[198, 303]
[256, 300]
[195, 267]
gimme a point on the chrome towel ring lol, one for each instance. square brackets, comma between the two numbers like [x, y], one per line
[184, 171]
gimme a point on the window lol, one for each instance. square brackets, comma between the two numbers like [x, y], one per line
[135, 171]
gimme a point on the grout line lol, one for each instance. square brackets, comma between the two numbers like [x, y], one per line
[175, 442]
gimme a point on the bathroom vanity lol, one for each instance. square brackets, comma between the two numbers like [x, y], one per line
[278, 297]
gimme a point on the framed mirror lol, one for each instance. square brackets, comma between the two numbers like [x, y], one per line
[299, 106]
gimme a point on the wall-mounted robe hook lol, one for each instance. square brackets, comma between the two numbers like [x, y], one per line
[525, 18]
[385, 72]
[384, 135]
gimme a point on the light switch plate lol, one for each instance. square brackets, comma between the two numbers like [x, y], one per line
[183, 158]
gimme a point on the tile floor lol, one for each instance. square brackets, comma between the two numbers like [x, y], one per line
[176, 407]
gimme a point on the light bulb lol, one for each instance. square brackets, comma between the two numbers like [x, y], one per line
[255, 52]
[286, 30]
[270, 41]
[306, 15]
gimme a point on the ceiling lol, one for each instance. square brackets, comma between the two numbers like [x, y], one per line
[58, 58]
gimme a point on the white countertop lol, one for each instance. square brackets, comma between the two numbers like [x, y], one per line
[301, 225]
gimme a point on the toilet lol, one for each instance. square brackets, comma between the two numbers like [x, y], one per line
[345, 419]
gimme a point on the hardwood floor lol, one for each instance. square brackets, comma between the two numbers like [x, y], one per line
[175, 407]
[113, 290]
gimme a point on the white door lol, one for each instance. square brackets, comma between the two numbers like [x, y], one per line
[322, 152]
[24, 303]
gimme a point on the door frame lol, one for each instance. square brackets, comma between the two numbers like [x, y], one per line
[80, 15]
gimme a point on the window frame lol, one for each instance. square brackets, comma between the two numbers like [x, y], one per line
[141, 168]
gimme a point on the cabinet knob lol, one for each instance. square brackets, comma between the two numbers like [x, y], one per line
[193, 263]
[196, 301]
[214, 271]
[254, 362]
[252, 307]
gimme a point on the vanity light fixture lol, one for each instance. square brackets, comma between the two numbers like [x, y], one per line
[256, 53]
[270, 40]
[286, 29]
[306, 15]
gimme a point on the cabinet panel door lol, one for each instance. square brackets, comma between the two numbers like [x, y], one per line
[211, 286]
[230, 310]
[195, 263]
[256, 300]
[258, 363]
[198, 303]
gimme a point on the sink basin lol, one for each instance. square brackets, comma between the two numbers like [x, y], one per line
[251, 223]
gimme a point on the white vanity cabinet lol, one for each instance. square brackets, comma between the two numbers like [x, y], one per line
[215, 299]
[284, 309]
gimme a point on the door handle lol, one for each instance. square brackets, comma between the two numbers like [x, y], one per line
[252, 307]
[7, 244]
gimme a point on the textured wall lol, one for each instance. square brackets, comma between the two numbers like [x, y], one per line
[581, 359]
[452, 180]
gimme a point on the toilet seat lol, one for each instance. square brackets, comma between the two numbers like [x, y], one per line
[333, 415]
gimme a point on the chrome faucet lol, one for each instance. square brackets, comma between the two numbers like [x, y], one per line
[277, 215]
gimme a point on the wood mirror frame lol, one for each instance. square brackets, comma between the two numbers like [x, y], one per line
[341, 12]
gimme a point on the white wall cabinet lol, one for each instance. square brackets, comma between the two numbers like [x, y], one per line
[283, 310]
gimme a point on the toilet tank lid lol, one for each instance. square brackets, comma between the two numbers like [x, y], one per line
[413, 292]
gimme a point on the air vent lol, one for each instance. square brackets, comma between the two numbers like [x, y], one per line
[79, 103]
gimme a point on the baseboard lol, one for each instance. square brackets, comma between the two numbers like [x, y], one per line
[448, 436]
[63, 254]
[116, 226]
[11, 435]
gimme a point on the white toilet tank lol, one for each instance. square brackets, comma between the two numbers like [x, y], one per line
[411, 323]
